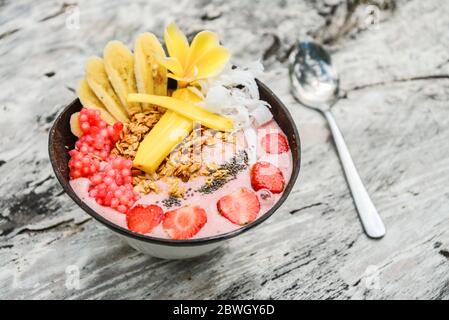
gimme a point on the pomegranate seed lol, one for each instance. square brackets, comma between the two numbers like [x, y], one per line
[104, 133]
[121, 208]
[114, 203]
[82, 117]
[101, 193]
[116, 163]
[75, 174]
[108, 180]
[119, 180]
[110, 176]
[118, 193]
[77, 164]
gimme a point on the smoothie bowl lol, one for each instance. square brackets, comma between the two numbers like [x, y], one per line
[175, 153]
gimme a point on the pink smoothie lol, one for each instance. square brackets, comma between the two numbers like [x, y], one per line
[249, 142]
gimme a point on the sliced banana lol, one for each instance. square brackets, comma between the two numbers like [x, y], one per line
[75, 125]
[150, 76]
[89, 100]
[119, 65]
[99, 83]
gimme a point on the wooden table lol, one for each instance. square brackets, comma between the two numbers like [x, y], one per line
[394, 114]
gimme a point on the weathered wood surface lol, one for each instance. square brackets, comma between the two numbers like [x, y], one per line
[394, 114]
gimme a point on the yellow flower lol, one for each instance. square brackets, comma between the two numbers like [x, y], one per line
[203, 58]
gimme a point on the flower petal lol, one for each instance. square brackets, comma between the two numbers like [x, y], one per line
[183, 80]
[171, 63]
[176, 42]
[180, 79]
[201, 44]
[212, 62]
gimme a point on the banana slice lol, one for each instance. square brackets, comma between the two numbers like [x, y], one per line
[150, 76]
[89, 100]
[75, 125]
[99, 83]
[119, 65]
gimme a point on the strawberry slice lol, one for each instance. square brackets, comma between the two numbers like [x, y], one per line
[275, 143]
[240, 207]
[143, 219]
[185, 222]
[265, 175]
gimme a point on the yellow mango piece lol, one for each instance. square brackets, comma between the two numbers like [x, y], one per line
[151, 77]
[89, 100]
[170, 130]
[186, 95]
[98, 81]
[187, 109]
[119, 65]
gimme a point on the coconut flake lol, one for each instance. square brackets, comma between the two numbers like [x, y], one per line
[261, 115]
[251, 140]
[234, 93]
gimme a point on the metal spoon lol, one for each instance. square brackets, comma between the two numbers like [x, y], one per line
[315, 84]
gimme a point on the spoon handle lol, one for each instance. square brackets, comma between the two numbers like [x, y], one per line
[371, 221]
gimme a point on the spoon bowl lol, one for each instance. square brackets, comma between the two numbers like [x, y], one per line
[314, 80]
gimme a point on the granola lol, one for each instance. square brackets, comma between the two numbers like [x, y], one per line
[134, 131]
[144, 182]
[183, 163]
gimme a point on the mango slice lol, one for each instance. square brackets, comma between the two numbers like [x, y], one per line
[99, 83]
[89, 100]
[186, 109]
[119, 66]
[171, 129]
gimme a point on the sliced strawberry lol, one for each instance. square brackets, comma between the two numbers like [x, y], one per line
[264, 175]
[239, 207]
[275, 143]
[143, 219]
[185, 222]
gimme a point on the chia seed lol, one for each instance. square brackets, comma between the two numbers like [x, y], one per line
[237, 163]
[171, 201]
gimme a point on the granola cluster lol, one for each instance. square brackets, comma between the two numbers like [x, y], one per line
[183, 163]
[134, 131]
[144, 182]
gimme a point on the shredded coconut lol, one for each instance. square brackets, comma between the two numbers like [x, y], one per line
[234, 93]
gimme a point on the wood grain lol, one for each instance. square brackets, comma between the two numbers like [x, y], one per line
[393, 113]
